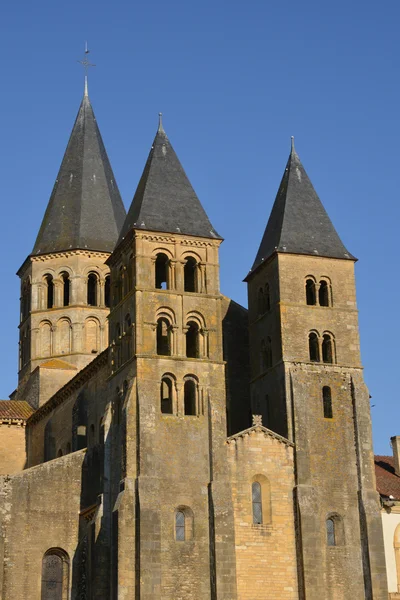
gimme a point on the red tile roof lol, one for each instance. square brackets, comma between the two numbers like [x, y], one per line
[15, 409]
[387, 482]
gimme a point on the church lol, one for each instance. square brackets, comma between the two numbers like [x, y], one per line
[163, 442]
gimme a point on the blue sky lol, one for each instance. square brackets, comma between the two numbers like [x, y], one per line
[234, 80]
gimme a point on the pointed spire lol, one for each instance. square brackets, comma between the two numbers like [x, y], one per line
[299, 223]
[164, 199]
[85, 209]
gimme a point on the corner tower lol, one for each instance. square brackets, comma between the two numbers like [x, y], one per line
[166, 340]
[64, 281]
[307, 381]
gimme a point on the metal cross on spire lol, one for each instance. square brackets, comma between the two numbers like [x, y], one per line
[86, 64]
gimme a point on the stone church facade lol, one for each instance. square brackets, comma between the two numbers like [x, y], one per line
[165, 443]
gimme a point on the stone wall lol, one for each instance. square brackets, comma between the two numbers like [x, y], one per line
[12, 447]
[265, 554]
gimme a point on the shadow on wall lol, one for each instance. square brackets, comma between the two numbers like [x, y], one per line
[235, 339]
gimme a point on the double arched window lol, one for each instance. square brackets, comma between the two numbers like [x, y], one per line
[318, 294]
[173, 403]
[55, 575]
[324, 347]
[263, 300]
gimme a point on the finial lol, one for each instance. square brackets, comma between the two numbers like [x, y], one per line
[86, 64]
[160, 125]
[292, 143]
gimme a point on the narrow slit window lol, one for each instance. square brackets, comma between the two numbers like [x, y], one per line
[310, 292]
[330, 532]
[180, 526]
[257, 503]
[327, 401]
[323, 293]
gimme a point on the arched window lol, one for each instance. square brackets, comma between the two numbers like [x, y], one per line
[256, 503]
[192, 340]
[55, 575]
[63, 336]
[189, 394]
[327, 401]
[92, 335]
[66, 288]
[49, 442]
[92, 281]
[180, 533]
[161, 271]
[310, 292]
[313, 345]
[327, 348]
[107, 291]
[260, 302]
[267, 298]
[25, 299]
[167, 395]
[79, 423]
[163, 337]
[49, 291]
[330, 532]
[323, 293]
[45, 338]
[190, 275]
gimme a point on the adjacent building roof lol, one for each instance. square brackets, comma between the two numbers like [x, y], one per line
[164, 199]
[85, 209]
[11, 410]
[387, 482]
[56, 363]
[299, 223]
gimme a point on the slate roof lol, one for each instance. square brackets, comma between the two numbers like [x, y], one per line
[299, 223]
[15, 409]
[387, 482]
[85, 209]
[164, 199]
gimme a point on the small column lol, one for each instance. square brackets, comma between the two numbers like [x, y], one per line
[58, 293]
[102, 296]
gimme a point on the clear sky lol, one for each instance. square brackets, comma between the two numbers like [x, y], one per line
[234, 80]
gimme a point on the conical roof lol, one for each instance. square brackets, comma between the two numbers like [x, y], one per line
[85, 209]
[299, 223]
[164, 199]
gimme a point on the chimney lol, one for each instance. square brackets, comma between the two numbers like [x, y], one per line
[395, 441]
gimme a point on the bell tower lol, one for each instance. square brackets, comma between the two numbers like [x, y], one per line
[65, 284]
[307, 382]
[166, 340]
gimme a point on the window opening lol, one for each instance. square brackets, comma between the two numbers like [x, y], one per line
[190, 397]
[190, 270]
[327, 349]
[313, 347]
[92, 289]
[163, 337]
[310, 292]
[323, 293]
[166, 396]
[260, 302]
[55, 575]
[330, 532]
[192, 340]
[267, 300]
[180, 526]
[107, 290]
[66, 285]
[50, 291]
[162, 272]
[257, 503]
[327, 401]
